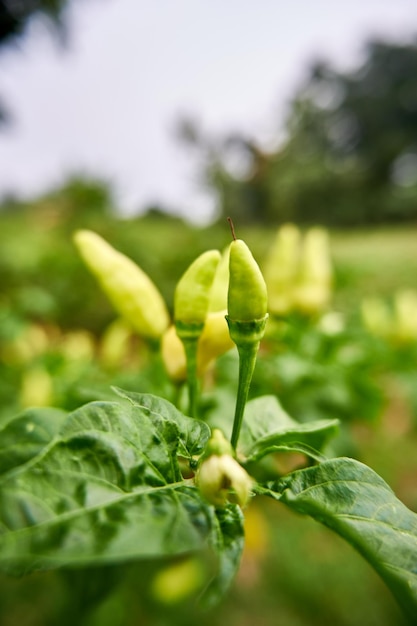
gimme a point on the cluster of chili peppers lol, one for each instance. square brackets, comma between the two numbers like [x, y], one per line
[194, 337]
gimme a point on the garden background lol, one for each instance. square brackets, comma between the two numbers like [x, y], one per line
[348, 163]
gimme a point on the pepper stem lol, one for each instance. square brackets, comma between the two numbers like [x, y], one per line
[189, 333]
[247, 361]
[190, 347]
[247, 337]
[232, 228]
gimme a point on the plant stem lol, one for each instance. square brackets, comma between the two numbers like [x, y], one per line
[176, 394]
[190, 346]
[247, 360]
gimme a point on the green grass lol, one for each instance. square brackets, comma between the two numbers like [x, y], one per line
[373, 263]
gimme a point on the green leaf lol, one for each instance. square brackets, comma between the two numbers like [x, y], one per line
[193, 434]
[267, 428]
[27, 434]
[228, 544]
[357, 504]
[109, 489]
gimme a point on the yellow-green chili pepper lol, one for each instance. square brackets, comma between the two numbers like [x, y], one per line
[178, 581]
[192, 294]
[213, 342]
[218, 297]
[37, 388]
[247, 297]
[280, 269]
[191, 303]
[312, 290]
[129, 289]
[405, 316]
[247, 316]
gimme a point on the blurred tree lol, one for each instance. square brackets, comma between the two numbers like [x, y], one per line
[233, 167]
[362, 127]
[350, 156]
[15, 17]
[79, 199]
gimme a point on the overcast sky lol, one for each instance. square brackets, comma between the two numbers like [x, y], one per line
[108, 103]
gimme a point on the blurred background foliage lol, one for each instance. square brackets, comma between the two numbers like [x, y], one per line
[348, 161]
[349, 156]
[351, 354]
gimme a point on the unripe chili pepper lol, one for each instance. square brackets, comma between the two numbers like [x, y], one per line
[191, 302]
[129, 289]
[173, 356]
[178, 581]
[280, 269]
[405, 316]
[115, 343]
[213, 342]
[312, 291]
[37, 388]
[247, 298]
[247, 316]
[218, 297]
[192, 294]
[376, 316]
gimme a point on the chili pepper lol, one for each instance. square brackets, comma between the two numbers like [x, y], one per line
[247, 316]
[247, 296]
[173, 355]
[280, 269]
[313, 287]
[178, 581]
[218, 297]
[37, 387]
[191, 302]
[376, 316]
[115, 343]
[213, 341]
[129, 289]
[192, 294]
[405, 316]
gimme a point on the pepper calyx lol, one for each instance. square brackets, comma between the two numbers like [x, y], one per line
[244, 332]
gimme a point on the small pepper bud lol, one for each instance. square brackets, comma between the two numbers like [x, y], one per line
[220, 477]
[192, 295]
[130, 290]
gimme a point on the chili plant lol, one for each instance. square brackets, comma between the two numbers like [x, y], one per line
[137, 479]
